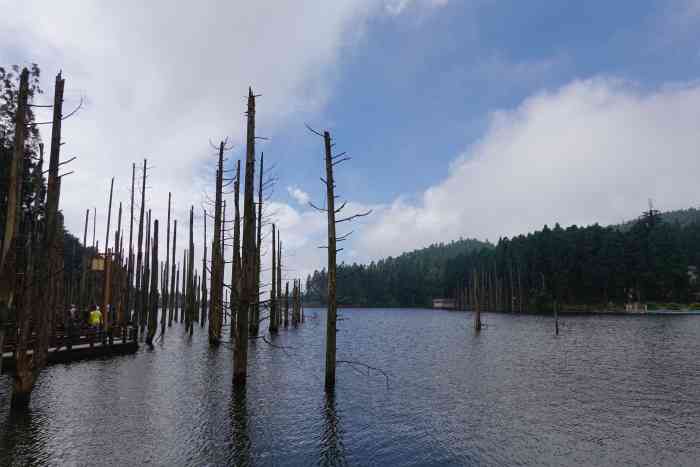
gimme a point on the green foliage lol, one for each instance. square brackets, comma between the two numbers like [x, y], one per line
[410, 280]
[593, 265]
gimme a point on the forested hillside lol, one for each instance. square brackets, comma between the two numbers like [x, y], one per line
[409, 280]
[648, 260]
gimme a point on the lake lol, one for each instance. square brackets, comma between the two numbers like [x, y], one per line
[609, 390]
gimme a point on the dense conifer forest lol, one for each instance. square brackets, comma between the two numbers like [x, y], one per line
[651, 259]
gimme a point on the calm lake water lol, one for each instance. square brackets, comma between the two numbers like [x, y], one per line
[609, 390]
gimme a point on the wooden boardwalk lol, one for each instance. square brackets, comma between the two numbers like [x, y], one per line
[85, 344]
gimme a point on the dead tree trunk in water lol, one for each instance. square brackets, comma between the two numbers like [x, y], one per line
[173, 294]
[190, 276]
[50, 264]
[138, 307]
[176, 297]
[130, 265]
[8, 258]
[332, 252]
[278, 287]
[153, 301]
[255, 322]
[183, 302]
[249, 262]
[477, 314]
[82, 298]
[272, 328]
[286, 305]
[331, 211]
[216, 312]
[109, 214]
[146, 275]
[236, 256]
[164, 307]
[204, 274]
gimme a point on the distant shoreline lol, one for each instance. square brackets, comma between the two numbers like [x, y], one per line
[661, 312]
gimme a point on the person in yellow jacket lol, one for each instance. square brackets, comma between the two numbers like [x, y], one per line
[95, 317]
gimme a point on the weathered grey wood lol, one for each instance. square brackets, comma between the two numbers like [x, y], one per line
[204, 273]
[174, 281]
[255, 321]
[166, 273]
[190, 276]
[286, 305]
[153, 300]
[130, 264]
[332, 305]
[109, 214]
[139, 299]
[8, 254]
[272, 326]
[248, 287]
[278, 287]
[216, 311]
[236, 255]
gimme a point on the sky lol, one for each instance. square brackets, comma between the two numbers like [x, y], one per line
[477, 119]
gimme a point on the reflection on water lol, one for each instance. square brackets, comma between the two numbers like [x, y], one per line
[609, 390]
[332, 449]
[240, 446]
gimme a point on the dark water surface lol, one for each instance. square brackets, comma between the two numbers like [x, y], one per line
[610, 390]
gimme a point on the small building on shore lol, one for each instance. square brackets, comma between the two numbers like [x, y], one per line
[444, 303]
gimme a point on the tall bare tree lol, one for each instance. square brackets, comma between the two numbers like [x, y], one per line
[249, 261]
[331, 211]
[216, 312]
[8, 259]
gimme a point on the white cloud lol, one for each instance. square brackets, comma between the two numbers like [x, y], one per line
[161, 80]
[592, 151]
[396, 7]
[298, 194]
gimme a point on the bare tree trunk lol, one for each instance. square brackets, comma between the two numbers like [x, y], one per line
[146, 276]
[273, 291]
[332, 251]
[477, 315]
[138, 307]
[278, 287]
[173, 284]
[176, 297]
[255, 322]
[286, 305]
[130, 266]
[166, 270]
[190, 275]
[204, 274]
[216, 312]
[183, 303]
[48, 262]
[82, 299]
[109, 214]
[249, 262]
[236, 256]
[24, 375]
[117, 255]
[153, 301]
[8, 258]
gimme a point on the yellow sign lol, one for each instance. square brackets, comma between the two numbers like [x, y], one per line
[98, 263]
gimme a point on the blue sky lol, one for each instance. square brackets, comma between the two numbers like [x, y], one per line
[464, 119]
[415, 90]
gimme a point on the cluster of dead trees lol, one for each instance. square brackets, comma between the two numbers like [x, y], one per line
[31, 261]
[137, 283]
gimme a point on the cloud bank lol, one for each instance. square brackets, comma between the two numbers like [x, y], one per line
[592, 151]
